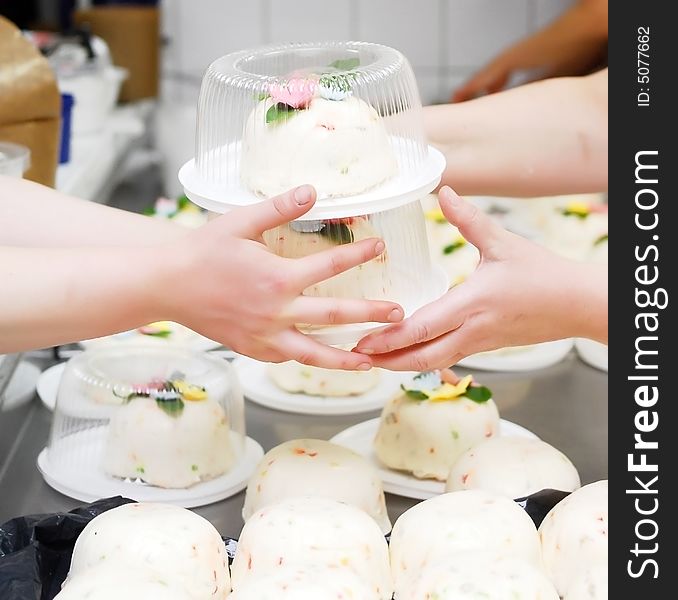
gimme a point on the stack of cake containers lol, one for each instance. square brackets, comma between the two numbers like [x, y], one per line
[158, 424]
[344, 117]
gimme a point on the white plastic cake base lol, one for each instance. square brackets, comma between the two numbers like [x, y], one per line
[260, 389]
[538, 356]
[397, 191]
[360, 439]
[88, 482]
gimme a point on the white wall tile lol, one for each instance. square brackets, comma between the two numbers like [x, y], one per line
[450, 83]
[548, 10]
[429, 87]
[212, 28]
[476, 30]
[411, 27]
[309, 20]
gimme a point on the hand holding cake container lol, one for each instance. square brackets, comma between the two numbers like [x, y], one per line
[344, 117]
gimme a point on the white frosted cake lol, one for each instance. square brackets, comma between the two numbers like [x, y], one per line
[448, 247]
[298, 239]
[173, 436]
[514, 467]
[592, 584]
[459, 522]
[113, 580]
[172, 543]
[316, 132]
[574, 535]
[479, 575]
[427, 427]
[305, 583]
[296, 378]
[314, 533]
[316, 468]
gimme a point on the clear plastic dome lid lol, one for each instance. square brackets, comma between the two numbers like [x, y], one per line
[403, 273]
[344, 117]
[132, 418]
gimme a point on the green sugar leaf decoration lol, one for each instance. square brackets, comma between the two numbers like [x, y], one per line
[414, 394]
[345, 64]
[279, 112]
[453, 247]
[601, 240]
[479, 394]
[173, 407]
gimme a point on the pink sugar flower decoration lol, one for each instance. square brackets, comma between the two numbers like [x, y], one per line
[296, 92]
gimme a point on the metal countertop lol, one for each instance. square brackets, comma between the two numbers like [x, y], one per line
[565, 405]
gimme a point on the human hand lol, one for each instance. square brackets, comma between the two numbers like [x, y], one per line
[572, 45]
[229, 286]
[520, 294]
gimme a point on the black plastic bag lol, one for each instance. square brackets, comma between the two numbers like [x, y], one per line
[35, 551]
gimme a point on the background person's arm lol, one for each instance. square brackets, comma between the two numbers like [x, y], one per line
[574, 44]
[544, 138]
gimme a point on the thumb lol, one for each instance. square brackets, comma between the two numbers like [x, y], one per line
[250, 222]
[476, 227]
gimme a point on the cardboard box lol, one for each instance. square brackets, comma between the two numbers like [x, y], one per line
[30, 103]
[133, 36]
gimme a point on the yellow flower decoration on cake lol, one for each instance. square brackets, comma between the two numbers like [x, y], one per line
[436, 215]
[192, 393]
[447, 391]
[577, 208]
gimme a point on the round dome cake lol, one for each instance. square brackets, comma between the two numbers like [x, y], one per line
[113, 580]
[171, 542]
[481, 574]
[448, 247]
[305, 583]
[574, 535]
[514, 467]
[316, 468]
[317, 533]
[296, 378]
[330, 139]
[432, 423]
[459, 522]
[592, 584]
[166, 447]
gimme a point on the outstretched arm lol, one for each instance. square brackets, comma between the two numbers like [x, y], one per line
[520, 294]
[37, 216]
[220, 280]
[545, 138]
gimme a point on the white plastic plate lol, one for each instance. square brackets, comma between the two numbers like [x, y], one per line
[397, 191]
[89, 482]
[592, 353]
[48, 384]
[360, 437]
[259, 388]
[538, 356]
